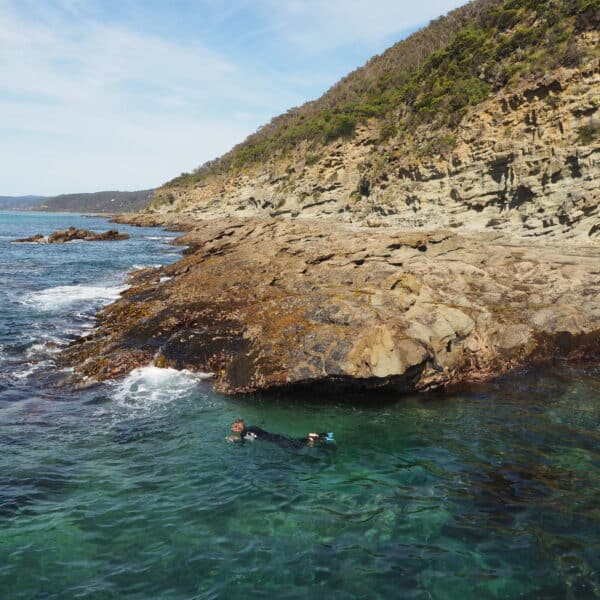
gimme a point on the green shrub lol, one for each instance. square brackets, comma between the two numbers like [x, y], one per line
[432, 77]
[312, 159]
[586, 134]
[387, 131]
[339, 126]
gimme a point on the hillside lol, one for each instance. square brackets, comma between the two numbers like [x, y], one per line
[97, 202]
[487, 118]
[19, 202]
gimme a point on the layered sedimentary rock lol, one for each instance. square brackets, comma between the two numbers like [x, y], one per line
[525, 162]
[267, 304]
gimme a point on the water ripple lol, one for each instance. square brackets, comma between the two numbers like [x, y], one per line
[129, 489]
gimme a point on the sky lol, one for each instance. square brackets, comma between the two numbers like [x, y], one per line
[127, 94]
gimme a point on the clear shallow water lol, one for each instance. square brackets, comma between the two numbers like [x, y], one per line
[129, 489]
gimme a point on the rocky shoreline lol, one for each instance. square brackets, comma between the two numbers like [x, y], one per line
[266, 304]
[410, 253]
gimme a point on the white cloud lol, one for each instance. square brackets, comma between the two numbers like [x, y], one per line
[92, 63]
[319, 25]
[91, 106]
[87, 105]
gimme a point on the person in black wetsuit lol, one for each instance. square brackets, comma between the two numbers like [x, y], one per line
[241, 433]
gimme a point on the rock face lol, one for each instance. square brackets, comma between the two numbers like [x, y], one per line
[525, 162]
[266, 304]
[72, 233]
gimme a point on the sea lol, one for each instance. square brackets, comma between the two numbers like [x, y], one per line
[129, 489]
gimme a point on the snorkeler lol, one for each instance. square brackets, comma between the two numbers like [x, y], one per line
[241, 433]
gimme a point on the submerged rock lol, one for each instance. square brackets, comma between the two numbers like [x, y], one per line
[268, 304]
[73, 233]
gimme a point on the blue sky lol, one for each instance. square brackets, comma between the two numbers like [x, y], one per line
[107, 94]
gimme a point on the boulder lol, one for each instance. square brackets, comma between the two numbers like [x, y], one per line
[72, 233]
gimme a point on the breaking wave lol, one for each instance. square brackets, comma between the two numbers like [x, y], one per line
[64, 295]
[149, 387]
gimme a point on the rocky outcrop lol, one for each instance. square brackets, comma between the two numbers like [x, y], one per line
[72, 233]
[409, 261]
[525, 163]
[266, 304]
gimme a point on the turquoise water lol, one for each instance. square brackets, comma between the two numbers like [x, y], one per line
[129, 490]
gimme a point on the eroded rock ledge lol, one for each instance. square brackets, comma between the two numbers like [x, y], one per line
[517, 164]
[271, 303]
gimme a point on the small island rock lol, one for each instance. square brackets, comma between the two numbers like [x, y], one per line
[38, 238]
[73, 233]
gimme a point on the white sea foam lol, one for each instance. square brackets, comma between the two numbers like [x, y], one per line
[29, 368]
[25, 371]
[85, 320]
[41, 350]
[64, 295]
[153, 266]
[149, 387]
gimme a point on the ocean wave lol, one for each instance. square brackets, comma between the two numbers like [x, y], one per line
[58, 297]
[28, 369]
[148, 387]
[42, 349]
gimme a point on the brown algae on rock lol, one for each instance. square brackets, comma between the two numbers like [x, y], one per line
[257, 304]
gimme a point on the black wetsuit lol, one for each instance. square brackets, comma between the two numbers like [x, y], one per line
[256, 433]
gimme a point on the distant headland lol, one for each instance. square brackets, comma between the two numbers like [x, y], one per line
[95, 202]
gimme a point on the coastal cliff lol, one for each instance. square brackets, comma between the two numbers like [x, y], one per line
[519, 165]
[496, 128]
[389, 235]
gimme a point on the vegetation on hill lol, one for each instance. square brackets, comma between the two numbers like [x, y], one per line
[432, 78]
[19, 202]
[98, 202]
